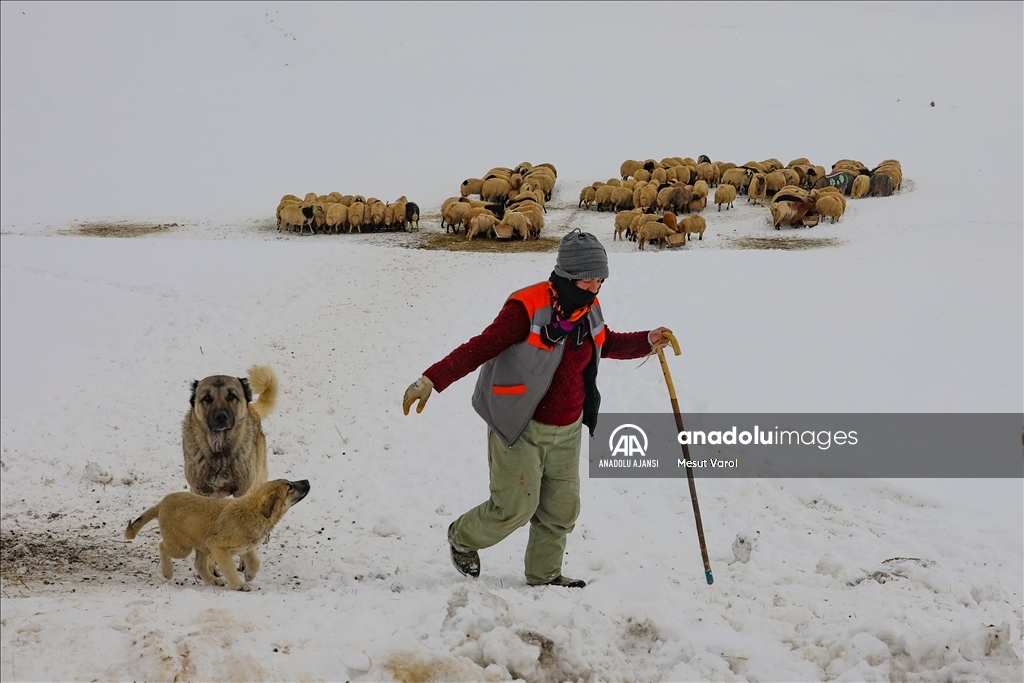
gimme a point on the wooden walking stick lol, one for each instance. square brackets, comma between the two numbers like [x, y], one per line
[686, 453]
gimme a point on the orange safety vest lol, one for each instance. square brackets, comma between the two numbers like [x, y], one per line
[510, 386]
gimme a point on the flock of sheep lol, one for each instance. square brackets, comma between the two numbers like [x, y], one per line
[651, 194]
[648, 199]
[511, 203]
[335, 213]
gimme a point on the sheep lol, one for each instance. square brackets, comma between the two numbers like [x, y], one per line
[663, 200]
[444, 208]
[473, 212]
[648, 194]
[337, 216]
[292, 217]
[790, 175]
[642, 174]
[543, 179]
[285, 201]
[389, 216]
[308, 209]
[881, 185]
[725, 194]
[622, 222]
[798, 194]
[842, 180]
[481, 224]
[536, 216]
[757, 190]
[737, 177]
[693, 224]
[700, 189]
[587, 196]
[536, 193]
[830, 206]
[550, 167]
[471, 186]
[524, 168]
[772, 164]
[801, 174]
[669, 219]
[681, 198]
[629, 167]
[774, 181]
[891, 168]
[311, 197]
[614, 182]
[820, 192]
[659, 176]
[638, 221]
[518, 223]
[603, 197]
[495, 189]
[706, 173]
[412, 216]
[356, 214]
[651, 231]
[849, 165]
[687, 175]
[861, 186]
[398, 213]
[377, 210]
[622, 198]
[697, 204]
[789, 210]
[802, 161]
[320, 217]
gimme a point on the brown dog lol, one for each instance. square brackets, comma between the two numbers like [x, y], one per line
[222, 438]
[218, 528]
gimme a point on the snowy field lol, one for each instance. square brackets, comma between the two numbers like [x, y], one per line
[204, 116]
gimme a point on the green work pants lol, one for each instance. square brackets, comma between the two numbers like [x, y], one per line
[537, 480]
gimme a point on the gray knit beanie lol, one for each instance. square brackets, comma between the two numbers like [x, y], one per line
[581, 257]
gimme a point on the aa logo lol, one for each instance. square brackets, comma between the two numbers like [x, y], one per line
[628, 442]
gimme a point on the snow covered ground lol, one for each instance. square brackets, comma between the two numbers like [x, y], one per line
[204, 116]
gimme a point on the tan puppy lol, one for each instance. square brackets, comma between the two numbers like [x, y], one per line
[222, 438]
[219, 528]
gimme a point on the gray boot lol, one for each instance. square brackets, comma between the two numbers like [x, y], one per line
[466, 561]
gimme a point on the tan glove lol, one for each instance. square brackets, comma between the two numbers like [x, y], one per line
[418, 390]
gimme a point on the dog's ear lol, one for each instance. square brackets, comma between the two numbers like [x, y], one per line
[247, 389]
[270, 502]
[192, 398]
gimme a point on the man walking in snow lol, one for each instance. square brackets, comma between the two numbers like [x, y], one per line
[536, 389]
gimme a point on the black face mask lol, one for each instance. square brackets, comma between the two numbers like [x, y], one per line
[570, 297]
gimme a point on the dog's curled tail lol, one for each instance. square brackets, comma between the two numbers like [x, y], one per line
[263, 381]
[148, 516]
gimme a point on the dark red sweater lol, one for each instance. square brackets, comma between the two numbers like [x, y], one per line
[563, 403]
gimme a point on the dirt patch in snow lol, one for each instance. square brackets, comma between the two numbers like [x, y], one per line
[437, 241]
[784, 243]
[31, 559]
[121, 229]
